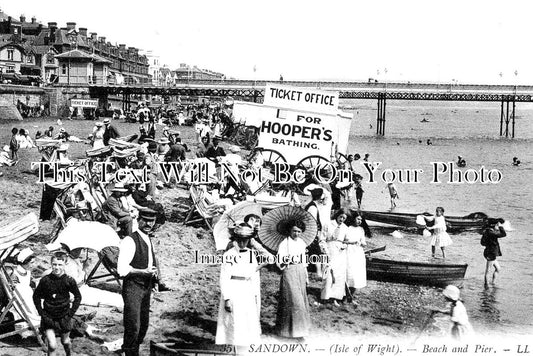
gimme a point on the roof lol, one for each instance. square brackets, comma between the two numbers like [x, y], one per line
[43, 49]
[79, 54]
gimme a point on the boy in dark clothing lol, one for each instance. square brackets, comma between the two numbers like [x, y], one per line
[57, 313]
[14, 145]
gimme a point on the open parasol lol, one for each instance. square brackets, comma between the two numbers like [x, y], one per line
[86, 234]
[238, 212]
[275, 227]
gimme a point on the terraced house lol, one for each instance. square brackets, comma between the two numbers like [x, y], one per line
[67, 55]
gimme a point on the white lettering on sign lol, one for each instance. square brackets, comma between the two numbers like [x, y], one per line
[310, 100]
[83, 103]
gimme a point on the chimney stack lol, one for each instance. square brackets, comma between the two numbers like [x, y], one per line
[33, 20]
[22, 18]
[94, 35]
[122, 47]
[83, 31]
[71, 26]
[52, 27]
[102, 39]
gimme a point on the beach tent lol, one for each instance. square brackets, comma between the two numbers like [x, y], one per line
[9, 112]
[18, 304]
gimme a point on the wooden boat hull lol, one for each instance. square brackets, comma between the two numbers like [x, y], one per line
[436, 274]
[408, 220]
[172, 349]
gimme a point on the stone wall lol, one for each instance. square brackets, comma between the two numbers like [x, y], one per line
[57, 98]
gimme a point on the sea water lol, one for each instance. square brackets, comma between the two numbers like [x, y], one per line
[470, 130]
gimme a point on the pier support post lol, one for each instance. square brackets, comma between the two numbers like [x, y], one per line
[380, 125]
[506, 116]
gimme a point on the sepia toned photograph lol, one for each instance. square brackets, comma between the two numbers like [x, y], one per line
[251, 177]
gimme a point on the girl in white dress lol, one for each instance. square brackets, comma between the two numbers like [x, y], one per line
[335, 274]
[440, 236]
[98, 135]
[355, 254]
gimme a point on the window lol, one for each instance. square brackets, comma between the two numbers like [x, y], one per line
[29, 58]
[64, 69]
[10, 69]
[10, 53]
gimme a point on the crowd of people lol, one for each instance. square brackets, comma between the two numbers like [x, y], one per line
[135, 212]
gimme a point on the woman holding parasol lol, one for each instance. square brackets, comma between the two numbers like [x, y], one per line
[288, 230]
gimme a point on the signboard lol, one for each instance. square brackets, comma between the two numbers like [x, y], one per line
[84, 103]
[296, 98]
[296, 134]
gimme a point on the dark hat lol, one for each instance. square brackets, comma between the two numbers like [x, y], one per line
[152, 146]
[317, 193]
[147, 214]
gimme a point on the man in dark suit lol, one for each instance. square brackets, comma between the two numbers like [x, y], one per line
[114, 209]
[214, 151]
[110, 131]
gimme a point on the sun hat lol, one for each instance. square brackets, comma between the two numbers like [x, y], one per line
[163, 141]
[99, 123]
[119, 187]
[107, 121]
[234, 149]
[242, 231]
[451, 292]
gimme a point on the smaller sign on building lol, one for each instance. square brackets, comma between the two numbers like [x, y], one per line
[84, 103]
[296, 98]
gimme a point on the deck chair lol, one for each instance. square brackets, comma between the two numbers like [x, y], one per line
[201, 207]
[107, 257]
[10, 236]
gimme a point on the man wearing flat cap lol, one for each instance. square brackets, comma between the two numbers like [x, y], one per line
[215, 151]
[137, 265]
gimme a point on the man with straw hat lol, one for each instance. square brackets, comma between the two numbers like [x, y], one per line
[137, 265]
[240, 303]
[114, 208]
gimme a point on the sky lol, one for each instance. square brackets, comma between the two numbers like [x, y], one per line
[463, 41]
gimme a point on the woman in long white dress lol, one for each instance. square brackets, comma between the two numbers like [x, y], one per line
[335, 274]
[98, 135]
[238, 315]
[355, 254]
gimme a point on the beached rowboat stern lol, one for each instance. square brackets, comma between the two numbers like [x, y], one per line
[434, 274]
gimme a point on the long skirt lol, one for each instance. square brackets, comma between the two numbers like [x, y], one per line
[293, 318]
[241, 326]
[335, 275]
[356, 267]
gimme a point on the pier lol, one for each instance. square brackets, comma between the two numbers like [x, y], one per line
[506, 95]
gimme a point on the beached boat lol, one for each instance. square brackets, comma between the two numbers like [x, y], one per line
[435, 274]
[474, 221]
[172, 348]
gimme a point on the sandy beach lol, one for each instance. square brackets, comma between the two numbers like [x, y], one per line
[188, 314]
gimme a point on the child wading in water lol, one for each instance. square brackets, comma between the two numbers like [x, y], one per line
[440, 236]
[461, 326]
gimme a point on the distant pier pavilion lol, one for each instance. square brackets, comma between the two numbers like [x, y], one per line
[507, 95]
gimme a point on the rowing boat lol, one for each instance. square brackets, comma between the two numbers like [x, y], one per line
[436, 274]
[172, 348]
[474, 221]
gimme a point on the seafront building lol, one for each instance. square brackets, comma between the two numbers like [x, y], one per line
[31, 53]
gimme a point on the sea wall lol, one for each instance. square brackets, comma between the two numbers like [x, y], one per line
[54, 98]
